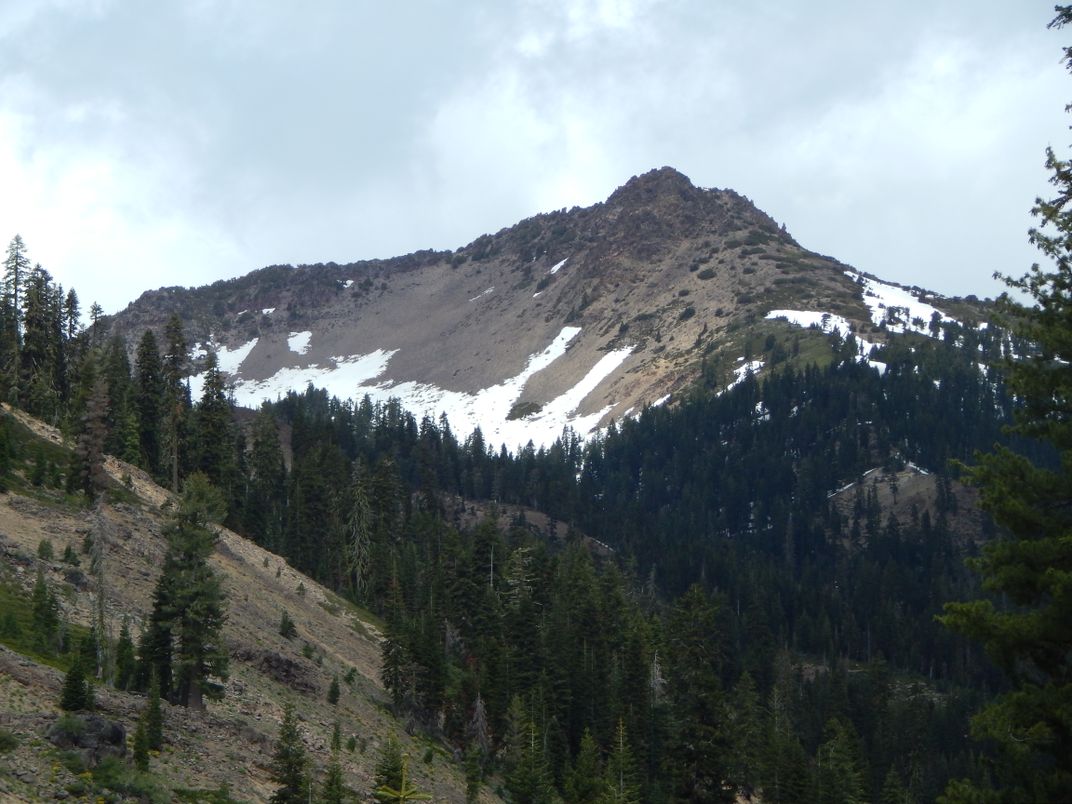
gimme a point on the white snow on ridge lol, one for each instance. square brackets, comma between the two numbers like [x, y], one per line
[299, 341]
[907, 309]
[557, 266]
[356, 376]
[348, 283]
[230, 359]
[828, 322]
[482, 295]
[267, 311]
[339, 380]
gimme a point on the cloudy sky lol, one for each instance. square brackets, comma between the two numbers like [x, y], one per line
[145, 144]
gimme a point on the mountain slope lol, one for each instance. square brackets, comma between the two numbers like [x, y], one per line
[231, 742]
[571, 317]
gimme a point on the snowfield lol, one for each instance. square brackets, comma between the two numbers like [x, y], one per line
[352, 377]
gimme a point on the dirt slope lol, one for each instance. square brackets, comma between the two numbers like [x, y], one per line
[231, 742]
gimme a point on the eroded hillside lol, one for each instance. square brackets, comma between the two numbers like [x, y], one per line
[229, 744]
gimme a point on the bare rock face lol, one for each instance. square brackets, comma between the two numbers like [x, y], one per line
[91, 735]
[574, 317]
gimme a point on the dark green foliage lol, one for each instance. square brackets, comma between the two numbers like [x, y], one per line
[125, 662]
[154, 716]
[1026, 623]
[585, 784]
[141, 745]
[388, 772]
[405, 791]
[8, 741]
[46, 615]
[333, 790]
[333, 691]
[77, 693]
[70, 556]
[184, 641]
[45, 551]
[701, 742]
[149, 403]
[288, 762]
[287, 628]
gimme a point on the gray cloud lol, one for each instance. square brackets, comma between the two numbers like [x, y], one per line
[157, 144]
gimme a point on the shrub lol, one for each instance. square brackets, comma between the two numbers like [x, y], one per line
[45, 551]
[706, 273]
[287, 629]
[8, 741]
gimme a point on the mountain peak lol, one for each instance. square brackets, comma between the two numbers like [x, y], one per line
[647, 187]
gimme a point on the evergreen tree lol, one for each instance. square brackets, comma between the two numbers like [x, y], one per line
[46, 616]
[288, 762]
[126, 664]
[176, 394]
[747, 730]
[189, 601]
[406, 790]
[526, 776]
[154, 716]
[141, 745]
[333, 790]
[701, 745]
[16, 269]
[388, 771]
[87, 461]
[333, 691]
[149, 402]
[214, 430]
[287, 629]
[585, 784]
[77, 693]
[840, 779]
[1029, 636]
[620, 785]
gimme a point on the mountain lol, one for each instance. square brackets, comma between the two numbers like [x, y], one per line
[570, 318]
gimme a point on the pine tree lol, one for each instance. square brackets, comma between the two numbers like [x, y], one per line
[388, 771]
[585, 784]
[405, 791]
[840, 776]
[288, 762]
[149, 402]
[333, 790]
[141, 745]
[620, 785]
[46, 617]
[176, 395]
[77, 693]
[701, 745]
[333, 691]
[1030, 635]
[214, 429]
[126, 664]
[87, 467]
[154, 716]
[287, 629]
[189, 601]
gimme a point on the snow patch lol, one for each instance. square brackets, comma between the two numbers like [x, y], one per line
[229, 360]
[299, 341]
[662, 400]
[355, 376]
[557, 267]
[482, 295]
[267, 311]
[348, 283]
[901, 309]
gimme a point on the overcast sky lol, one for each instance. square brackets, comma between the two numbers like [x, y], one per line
[145, 144]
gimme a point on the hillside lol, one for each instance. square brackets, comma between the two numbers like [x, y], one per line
[572, 317]
[230, 743]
